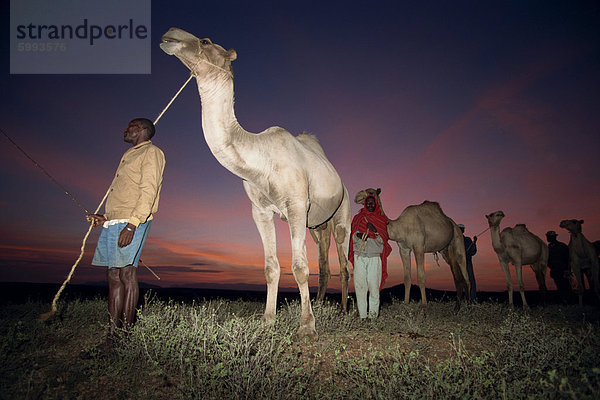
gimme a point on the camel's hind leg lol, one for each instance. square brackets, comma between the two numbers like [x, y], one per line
[596, 275]
[460, 284]
[519, 271]
[322, 237]
[342, 221]
[405, 256]
[540, 277]
[580, 283]
[509, 285]
[455, 256]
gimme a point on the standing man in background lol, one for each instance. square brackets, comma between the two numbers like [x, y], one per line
[558, 262]
[470, 251]
[129, 210]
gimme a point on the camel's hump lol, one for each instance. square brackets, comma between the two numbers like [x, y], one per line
[312, 142]
[433, 203]
[427, 204]
[518, 229]
[521, 228]
[426, 207]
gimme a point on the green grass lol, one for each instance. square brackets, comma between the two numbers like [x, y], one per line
[220, 349]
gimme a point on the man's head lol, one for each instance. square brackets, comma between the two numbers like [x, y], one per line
[139, 130]
[148, 125]
[370, 203]
[551, 236]
[461, 227]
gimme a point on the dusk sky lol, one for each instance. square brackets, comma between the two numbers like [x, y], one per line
[478, 105]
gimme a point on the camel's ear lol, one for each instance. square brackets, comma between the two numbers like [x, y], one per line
[231, 55]
[378, 191]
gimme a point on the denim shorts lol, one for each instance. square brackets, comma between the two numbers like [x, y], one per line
[109, 254]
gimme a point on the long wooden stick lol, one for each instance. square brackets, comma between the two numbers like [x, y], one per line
[57, 296]
[144, 264]
[364, 240]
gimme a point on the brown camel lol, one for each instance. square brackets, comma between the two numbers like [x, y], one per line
[421, 229]
[519, 247]
[583, 257]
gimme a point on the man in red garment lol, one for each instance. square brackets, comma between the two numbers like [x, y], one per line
[369, 249]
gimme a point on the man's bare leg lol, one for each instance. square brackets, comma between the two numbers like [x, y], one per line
[128, 276]
[116, 292]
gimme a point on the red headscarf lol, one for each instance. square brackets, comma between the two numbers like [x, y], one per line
[359, 223]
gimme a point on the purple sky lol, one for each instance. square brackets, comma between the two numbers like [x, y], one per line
[481, 106]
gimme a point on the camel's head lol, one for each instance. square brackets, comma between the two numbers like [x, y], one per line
[201, 56]
[572, 225]
[495, 218]
[362, 195]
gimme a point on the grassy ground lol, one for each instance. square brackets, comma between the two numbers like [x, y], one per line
[219, 349]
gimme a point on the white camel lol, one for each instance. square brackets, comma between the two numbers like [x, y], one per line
[421, 229]
[583, 257]
[519, 247]
[281, 173]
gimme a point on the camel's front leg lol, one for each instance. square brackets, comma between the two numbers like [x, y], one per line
[579, 278]
[266, 229]
[342, 221]
[405, 256]
[519, 271]
[509, 285]
[297, 223]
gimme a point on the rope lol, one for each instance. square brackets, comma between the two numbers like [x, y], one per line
[200, 59]
[45, 172]
[472, 242]
[82, 250]
[173, 99]
[47, 315]
[437, 258]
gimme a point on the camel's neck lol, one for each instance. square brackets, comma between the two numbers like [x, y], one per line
[496, 242]
[578, 240]
[575, 235]
[225, 137]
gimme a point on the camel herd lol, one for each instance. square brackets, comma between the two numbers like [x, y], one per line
[291, 176]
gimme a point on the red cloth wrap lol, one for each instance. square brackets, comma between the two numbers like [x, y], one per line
[359, 223]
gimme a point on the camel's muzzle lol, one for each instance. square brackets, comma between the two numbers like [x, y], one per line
[169, 44]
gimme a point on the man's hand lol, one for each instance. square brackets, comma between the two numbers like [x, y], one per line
[126, 235]
[371, 227]
[96, 219]
[474, 239]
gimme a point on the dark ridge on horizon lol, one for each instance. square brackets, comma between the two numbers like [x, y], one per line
[23, 292]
